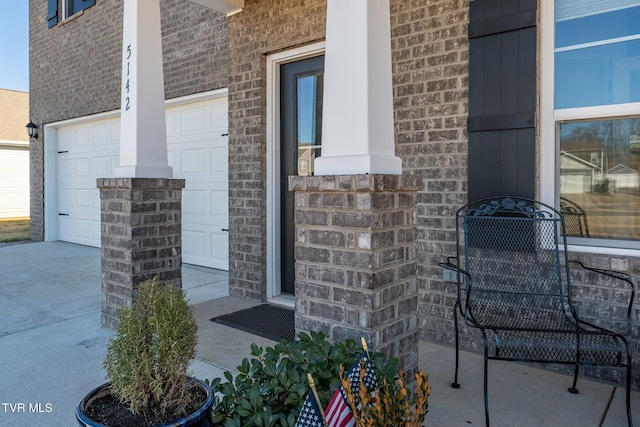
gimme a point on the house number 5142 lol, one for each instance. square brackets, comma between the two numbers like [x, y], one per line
[127, 86]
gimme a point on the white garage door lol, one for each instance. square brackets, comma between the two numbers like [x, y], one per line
[14, 182]
[196, 135]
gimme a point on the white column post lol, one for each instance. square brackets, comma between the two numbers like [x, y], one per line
[143, 134]
[357, 122]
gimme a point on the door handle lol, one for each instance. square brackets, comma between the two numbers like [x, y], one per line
[224, 229]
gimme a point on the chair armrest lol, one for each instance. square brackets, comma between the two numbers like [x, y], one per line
[451, 265]
[619, 276]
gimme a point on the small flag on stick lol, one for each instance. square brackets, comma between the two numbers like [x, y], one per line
[311, 414]
[338, 412]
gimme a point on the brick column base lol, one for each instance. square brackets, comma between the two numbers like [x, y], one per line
[141, 235]
[356, 261]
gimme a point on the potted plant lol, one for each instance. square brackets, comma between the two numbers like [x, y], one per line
[147, 365]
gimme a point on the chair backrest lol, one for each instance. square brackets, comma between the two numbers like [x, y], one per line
[516, 269]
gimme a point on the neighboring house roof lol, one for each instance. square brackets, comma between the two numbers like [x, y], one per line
[622, 169]
[569, 160]
[14, 115]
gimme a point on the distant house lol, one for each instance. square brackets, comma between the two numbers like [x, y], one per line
[14, 154]
[576, 174]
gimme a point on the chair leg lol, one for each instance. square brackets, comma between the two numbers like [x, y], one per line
[629, 380]
[629, 393]
[455, 383]
[486, 368]
[573, 389]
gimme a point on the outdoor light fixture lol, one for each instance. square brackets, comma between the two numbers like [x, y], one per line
[32, 129]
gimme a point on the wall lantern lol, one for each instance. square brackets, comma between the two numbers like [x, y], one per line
[32, 129]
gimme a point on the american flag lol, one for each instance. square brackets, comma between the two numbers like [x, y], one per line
[338, 413]
[310, 414]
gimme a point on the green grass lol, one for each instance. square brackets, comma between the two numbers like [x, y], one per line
[14, 230]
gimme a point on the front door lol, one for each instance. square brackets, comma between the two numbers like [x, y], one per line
[301, 87]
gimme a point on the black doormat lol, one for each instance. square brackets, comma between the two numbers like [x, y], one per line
[266, 320]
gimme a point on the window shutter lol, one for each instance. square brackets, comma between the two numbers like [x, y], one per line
[52, 14]
[502, 98]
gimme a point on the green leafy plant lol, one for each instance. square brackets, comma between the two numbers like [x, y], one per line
[271, 385]
[396, 405]
[147, 361]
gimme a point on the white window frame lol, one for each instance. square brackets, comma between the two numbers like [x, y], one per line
[273, 164]
[549, 173]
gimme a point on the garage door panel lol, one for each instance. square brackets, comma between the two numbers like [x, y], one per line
[100, 135]
[219, 203]
[82, 167]
[65, 167]
[193, 242]
[193, 162]
[196, 151]
[101, 166]
[219, 159]
[219, 118]
[220, 251]
[83, 198]
[95, 201]
[193, 121]
[83, 229]
[171, 119]
[193, 203]
[82, 138]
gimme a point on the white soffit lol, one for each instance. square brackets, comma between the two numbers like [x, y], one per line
[228, 7]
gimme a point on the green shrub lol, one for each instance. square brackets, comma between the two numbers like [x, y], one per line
[147, 361]
[271, 386]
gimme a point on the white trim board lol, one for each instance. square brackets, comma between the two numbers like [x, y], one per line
[273, 162]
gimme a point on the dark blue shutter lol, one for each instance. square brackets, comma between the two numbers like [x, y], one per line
[502, 98]
[52, 14]
[79, 5]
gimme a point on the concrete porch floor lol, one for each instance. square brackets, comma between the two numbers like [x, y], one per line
[52, 347]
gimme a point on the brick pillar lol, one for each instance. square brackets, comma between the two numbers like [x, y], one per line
[141, 238]
[356, 260]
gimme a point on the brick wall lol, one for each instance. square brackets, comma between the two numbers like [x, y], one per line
[75, 67]
[430, 56]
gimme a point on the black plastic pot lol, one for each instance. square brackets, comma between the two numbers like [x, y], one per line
[199, 418]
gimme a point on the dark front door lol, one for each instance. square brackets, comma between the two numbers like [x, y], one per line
[301, 86]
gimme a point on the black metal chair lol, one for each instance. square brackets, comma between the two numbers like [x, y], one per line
[514, 284]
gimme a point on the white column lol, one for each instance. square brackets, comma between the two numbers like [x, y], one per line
[357, 121]
[143, 134]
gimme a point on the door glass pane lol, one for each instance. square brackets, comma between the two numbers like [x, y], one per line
[600, 179]
[309, 121]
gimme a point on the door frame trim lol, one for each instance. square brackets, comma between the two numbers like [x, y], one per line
[273, 64]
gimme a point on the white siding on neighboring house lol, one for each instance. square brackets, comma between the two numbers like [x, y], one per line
[14, 180]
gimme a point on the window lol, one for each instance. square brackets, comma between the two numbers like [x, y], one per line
[596, 117]
[69, 8]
